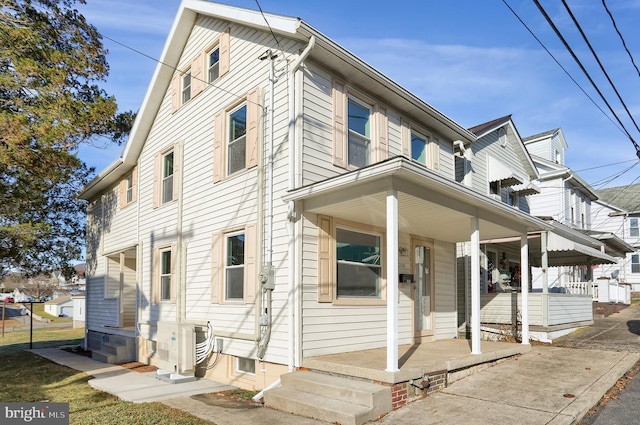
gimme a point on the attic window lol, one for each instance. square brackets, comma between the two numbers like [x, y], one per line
[502, 137]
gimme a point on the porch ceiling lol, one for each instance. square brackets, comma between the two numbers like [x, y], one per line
[428, 204]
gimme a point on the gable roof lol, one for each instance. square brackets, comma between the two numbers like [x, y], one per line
[325, 51]
[559, 171]
[549, 134]
[624, 197]
[482, 130]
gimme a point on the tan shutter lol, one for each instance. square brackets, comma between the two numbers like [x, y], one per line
[225, 45]
[406, 138]
[197, 75]
[325, 259]
[250, 271]
[253, 117]
[383, 134]
[134, 184]
[122, 196]
[175, 272]
[435, 155]
[177, 157]
[340, 130]
[216, 268]
[175, 94]
[157, 179]
[218, 156]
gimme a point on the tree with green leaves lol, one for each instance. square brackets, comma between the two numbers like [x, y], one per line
[51, 62]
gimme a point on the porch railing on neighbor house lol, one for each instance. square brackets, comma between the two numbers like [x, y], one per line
[611, 291]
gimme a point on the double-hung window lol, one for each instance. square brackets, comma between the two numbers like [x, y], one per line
[234, 267]
[359, 141]
[186, 86]
[213, 64]
[635, 263]
[634, 230]
[359, 268]
[167, 176]
[165, 275]
[419, 145]
[129, 189]
[237, 141]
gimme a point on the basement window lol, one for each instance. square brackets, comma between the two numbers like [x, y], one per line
[245, 365]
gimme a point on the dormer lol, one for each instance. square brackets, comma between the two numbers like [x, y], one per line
[549, 145]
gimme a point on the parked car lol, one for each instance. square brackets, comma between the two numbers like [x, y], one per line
[9, 300]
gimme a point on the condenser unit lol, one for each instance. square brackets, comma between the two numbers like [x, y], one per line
[176, 348]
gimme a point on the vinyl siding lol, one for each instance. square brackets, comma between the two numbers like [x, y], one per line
[445, 290]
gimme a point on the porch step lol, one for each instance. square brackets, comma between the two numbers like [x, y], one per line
[329, 398]
[103, 357]
[115, 349]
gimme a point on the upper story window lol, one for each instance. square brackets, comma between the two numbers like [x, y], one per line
[129, 188]
[419, 147]
[237, 140]
[234, 275]
[213, 64]
[186, 86]
[359, 125]
[514, 198]
[635, 263]
[167, 177]
[502, 137]
[556, 156]
[633, 227]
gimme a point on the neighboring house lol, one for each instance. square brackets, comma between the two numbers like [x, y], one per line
[618, 212]
[290, 197]
[61, 306]
[511, 176]
[79, 311]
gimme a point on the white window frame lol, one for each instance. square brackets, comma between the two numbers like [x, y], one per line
[129, 188]
[163, 275]
[379, 282]
[635, 265]
[166, 195]
[368, 140]
[237, 140]
[185, 92]
[229, 267]
[239, 369]
[427, 144]
[213, 67]
[634, 230]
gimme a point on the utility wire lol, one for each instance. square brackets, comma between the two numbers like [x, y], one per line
[606, 165]
[269, 26]
[606, 74]
[613, 21]
[555, 29]
[562, 67]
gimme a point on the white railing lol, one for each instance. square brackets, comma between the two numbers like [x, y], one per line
[577, 288]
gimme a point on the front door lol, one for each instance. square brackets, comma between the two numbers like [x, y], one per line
[424, 301]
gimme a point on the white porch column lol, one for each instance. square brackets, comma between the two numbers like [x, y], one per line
[392, 281]
[545, 278]
[524, 286]
[475, 286]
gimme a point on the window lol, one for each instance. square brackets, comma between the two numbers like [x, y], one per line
[635, 263]
[165, 275]
[494, 188]
[234, 267]
[359, 270]
[213, 64]
[633, 227]
[128, 188]
[556, 156]
[419, 148]
[167, 177]
[237, 147]
[502, 137]
[186, 86]
[359, 139]
[513, 198]
[245, 365]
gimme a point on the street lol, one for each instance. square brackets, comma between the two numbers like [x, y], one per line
[617, 332]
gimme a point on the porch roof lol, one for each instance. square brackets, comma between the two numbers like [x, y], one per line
[429, 204]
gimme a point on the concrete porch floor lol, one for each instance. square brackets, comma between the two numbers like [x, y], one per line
[414, 360]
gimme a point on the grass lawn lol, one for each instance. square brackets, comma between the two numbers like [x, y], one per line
[27, 377]
[39, 310]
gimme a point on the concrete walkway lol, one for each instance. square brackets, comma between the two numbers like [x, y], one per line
[548, 385]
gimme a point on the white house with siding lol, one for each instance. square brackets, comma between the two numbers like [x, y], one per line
[280, 201]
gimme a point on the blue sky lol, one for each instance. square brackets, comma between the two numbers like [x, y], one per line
[472, 60]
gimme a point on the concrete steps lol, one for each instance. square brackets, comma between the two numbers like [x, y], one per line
[329, 398]
[115, 349]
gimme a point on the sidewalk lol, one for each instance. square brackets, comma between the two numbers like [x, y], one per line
[548, 385]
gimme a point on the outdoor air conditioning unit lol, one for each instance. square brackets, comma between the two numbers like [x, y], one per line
[176, 348]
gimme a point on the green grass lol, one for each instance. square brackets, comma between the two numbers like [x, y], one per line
[18, 341]
[39, 310]
[31, 378]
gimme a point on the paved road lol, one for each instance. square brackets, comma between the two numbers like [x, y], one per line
[618, 332]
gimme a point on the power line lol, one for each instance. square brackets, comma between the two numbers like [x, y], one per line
[575, 58]
[606, 74]
[613, 21]
[606, 165]
[560, 65]
[269, 26]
